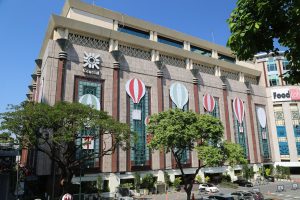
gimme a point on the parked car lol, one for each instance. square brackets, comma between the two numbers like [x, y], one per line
[243, 183]
[221, 197]
[208, 187]
[257, 195]
[241, 195]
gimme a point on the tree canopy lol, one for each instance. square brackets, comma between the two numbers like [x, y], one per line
[257, 25]
[177, 132]
[57, 131]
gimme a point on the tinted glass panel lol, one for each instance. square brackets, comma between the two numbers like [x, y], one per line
[133, 31]
[169, 41]
[201, 51]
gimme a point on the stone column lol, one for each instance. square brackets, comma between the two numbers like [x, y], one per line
[160, 102]
[226, 111]
[115, 111]
[251, 116]
[62, 60]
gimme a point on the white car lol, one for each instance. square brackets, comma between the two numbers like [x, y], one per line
[208, 187]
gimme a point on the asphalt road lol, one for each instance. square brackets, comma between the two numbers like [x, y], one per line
[269, 190]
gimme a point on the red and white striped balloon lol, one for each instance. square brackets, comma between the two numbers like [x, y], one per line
[208, 102]
[135, 88]
[239, 109]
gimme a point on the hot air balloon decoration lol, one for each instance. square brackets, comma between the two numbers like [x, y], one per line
[90, 100]
[135, 88]
[208, 102]
[262, 119]
[239, 111]
[179, 94]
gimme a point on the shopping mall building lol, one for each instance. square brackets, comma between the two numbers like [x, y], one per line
[131, 67]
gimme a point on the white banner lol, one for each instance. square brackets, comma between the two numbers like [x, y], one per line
[87, 142]
[282, 94]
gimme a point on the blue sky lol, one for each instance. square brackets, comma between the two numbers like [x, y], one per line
[23, 24]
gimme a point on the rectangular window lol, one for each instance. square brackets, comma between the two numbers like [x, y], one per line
[185, 153]
[263, 136]
[285, 65]
[271, 64]
[240, 133]
[140, 155]
[281, 131]
[298, 148]
[295, 119]
[273, 79]
[133, 31]
[169, 41]
[226, 58]
[201, 51]
[87, 135]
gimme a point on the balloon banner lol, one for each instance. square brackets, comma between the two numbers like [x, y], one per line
[135, 88]
[90, 100]
[208, 102]
[239, 109]
[179, 94]
[67, 196]
[261, 115]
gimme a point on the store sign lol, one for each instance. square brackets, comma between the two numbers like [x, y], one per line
[286, 94]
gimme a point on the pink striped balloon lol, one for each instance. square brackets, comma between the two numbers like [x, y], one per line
[208, 102]
[135, 88]
[239, 109]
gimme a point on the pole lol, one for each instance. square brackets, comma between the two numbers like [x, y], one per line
[80, 182]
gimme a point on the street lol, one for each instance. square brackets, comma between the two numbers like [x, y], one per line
[268, 190]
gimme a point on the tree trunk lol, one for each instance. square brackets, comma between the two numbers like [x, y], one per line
[188, 194]
[66, 178]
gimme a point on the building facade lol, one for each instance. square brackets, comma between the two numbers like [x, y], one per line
[129, 67]
[284, 105]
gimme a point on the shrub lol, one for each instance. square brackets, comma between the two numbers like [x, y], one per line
[126, 185]
[137, 181]
[148, 181]
[207, 179]
[167, 178]
[177, 182]
[226, 178]
[198, 179]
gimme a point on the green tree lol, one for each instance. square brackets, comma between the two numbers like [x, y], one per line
[177, 131]
[54, 131]
[256, 26]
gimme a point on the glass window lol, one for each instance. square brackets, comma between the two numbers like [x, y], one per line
[298, 148]
[185, 153]
[240, 131]
[140, 153]
[263, 139]
[271, 64]
[295, 119]
[133, 31]
[201, 51]
[226, 58]
[273, 80]
[169, 41]
[284, 148]
[285, 63]
[87, 134]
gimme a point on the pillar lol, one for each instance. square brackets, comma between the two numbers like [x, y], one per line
[226, 111]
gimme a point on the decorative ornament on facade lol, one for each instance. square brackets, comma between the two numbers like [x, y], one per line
[239, 111]
[179, 94]
[262, 119]
[208, 102]
[90, 100]
[135, 88]
[91, 63]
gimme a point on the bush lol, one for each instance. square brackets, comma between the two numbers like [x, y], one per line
[207, 179]
[137, 181]
[226, 178]
[198, 179]
[177, 182]
[126, 185]
[167, 178]
[148, 182]
[228, 185]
